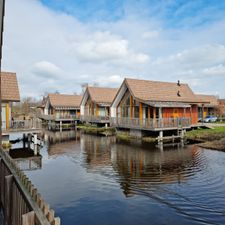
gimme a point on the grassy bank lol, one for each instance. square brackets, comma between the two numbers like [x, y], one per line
[127, 137]
[88, 129]
[208, 138]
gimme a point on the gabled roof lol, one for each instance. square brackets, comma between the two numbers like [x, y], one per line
[221, 101]
[145, 90]
[212, 99]
[9, 87]
[65, 101]
[101, 95]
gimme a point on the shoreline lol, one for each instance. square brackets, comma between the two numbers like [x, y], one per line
[205, 138]
[208, 138]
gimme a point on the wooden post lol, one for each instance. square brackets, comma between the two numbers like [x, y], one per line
[60, 125]
[8, 199]
[131, 106]
[28, 218]
[97, 109]
[7, 115]
[140, 113]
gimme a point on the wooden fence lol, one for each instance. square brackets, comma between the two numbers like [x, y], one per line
[150, 124]
[20, 201]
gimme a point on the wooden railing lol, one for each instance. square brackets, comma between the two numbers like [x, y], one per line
[20, 201]
[95, 119]
[58, 117]
[150, 124]
[30, 163]
[18, 125]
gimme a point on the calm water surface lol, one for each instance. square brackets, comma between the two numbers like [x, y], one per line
[94, 180]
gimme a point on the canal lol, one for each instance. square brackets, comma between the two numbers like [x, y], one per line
[96, 180]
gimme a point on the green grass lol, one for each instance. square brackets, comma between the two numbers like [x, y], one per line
[206, 134]
[90, 129]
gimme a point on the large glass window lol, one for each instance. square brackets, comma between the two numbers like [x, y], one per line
[157, 112]
[136, 111]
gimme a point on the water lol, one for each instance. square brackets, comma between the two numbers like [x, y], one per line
[94, 180]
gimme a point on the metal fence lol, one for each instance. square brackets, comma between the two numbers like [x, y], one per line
[150, 124]
[20, 200]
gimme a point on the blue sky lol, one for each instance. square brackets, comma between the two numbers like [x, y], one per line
[172, 13]
[62, 44]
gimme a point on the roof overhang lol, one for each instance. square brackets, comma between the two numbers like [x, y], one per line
[10, 100]
[168, 104]
[101, 104]
[66, 107]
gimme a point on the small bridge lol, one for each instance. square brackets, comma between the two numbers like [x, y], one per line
[20, 201]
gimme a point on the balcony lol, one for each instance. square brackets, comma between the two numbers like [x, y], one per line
[95, 119]
[151, 124]
[59, 117]
[22, 126]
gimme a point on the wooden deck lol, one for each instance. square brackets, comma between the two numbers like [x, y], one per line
[95, 119]
[151, 124]
[23, 126]
[58, 119]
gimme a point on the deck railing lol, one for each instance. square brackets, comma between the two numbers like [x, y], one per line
[95, 119]
[18, 125]
[58, 117]
[150, 124]
[19, 199]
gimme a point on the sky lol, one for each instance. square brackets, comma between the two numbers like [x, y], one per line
[58, 45]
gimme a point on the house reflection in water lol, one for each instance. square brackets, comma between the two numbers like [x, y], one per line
[61, 142]
[143, 170]
[139, 169]
[96, 150]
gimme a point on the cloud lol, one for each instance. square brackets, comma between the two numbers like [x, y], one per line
[150, 34]
[61, 51]
[218, 70]
[103, 47]
[46, 69]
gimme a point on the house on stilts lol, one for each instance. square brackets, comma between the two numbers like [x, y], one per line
[61, 110]
[143, 105]
[95, 105]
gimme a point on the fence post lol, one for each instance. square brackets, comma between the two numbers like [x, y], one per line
[28, 218]
[8, 199]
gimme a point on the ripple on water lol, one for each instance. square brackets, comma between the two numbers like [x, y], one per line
[188, 183]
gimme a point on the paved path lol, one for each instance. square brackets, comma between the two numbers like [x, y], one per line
[212, 125]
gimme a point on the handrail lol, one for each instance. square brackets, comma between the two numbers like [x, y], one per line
[162, 123]
[55, 117]
[95, 119]
[20, 199]
[23, 125]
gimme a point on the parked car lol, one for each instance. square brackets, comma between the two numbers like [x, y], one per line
[210, 119]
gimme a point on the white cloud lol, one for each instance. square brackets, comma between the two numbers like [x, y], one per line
[150, 34]
[46, 69]
[218, 70]
[59, 52]
[103, 47]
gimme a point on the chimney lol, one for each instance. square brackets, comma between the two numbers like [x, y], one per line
[178, 83]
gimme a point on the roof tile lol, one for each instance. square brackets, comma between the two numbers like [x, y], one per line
[62, 100]
[146, 90]
[9, 87]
